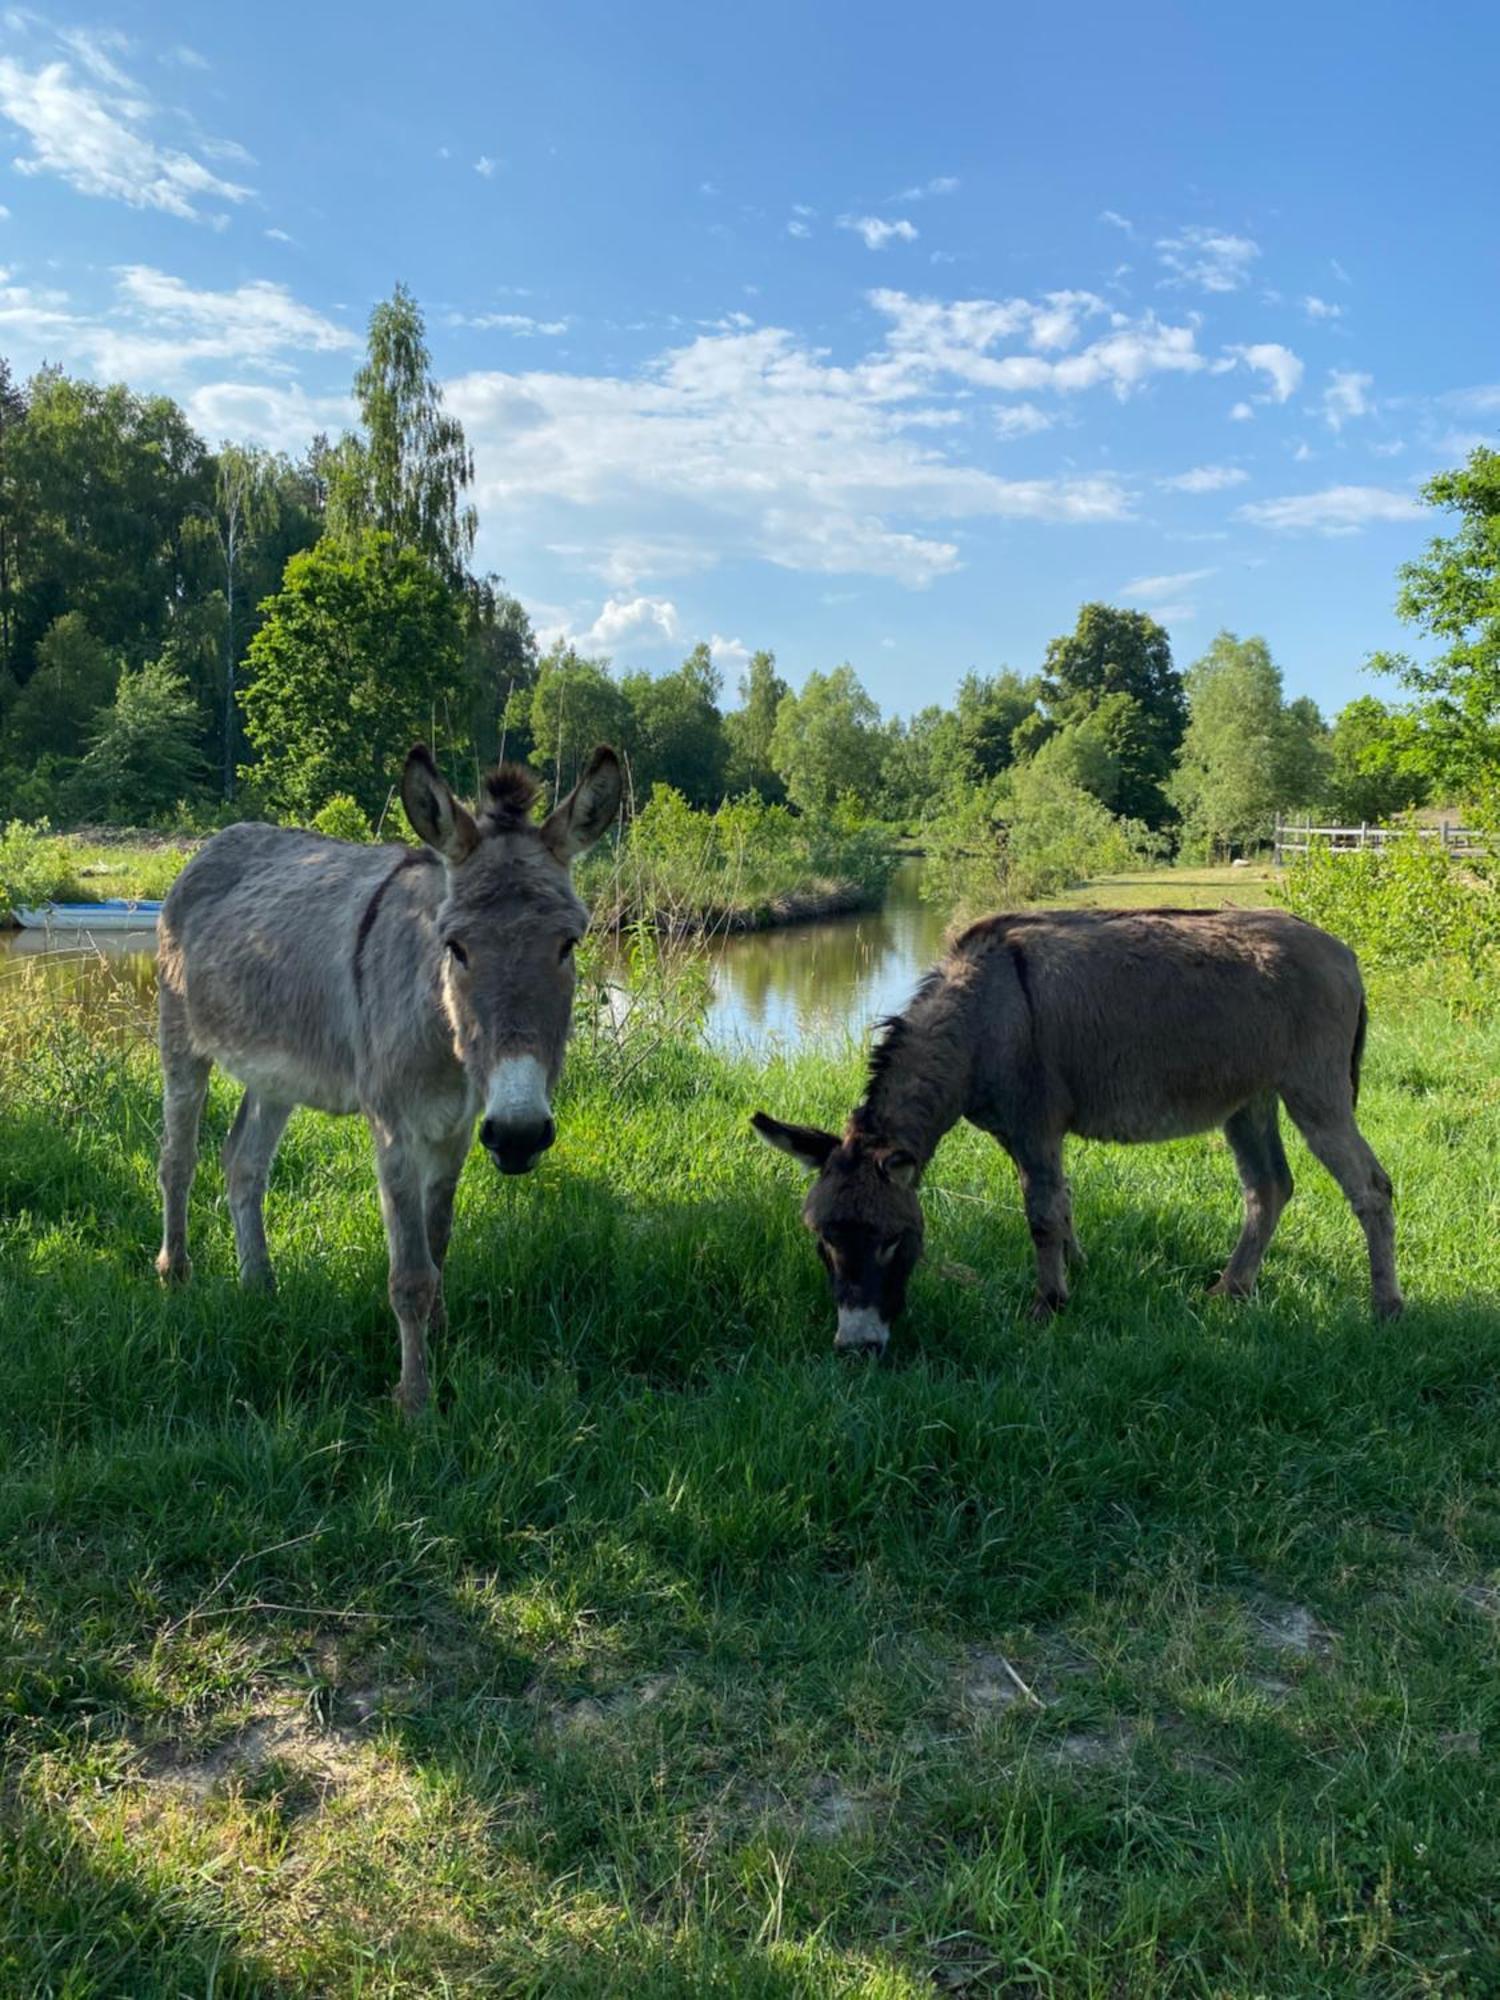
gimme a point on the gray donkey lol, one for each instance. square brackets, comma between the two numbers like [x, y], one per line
[419, 986]
[1114, 1024]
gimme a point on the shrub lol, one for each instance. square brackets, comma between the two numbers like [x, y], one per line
[1399, 905]
[35, 867]
[343, 818]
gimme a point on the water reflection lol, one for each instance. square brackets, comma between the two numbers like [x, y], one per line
[810, 981]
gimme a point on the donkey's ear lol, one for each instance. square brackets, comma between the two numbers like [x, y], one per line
[898, 1166]
[435, 815]
[804, 1142]
[573, 827]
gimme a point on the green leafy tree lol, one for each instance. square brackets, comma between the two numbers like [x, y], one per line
[1113, 652]
[575, 706]
[500, 663]
[244, 505]
[749, 728]
[828, 741]
[145, 757]
[1452, 595]
[676, 730]
[988, 710]
[12, 419]
[1377, 762]
[1246, 755]
[407, 475]
[74, 680]
[360, 655]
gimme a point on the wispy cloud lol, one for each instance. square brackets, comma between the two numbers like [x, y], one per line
[961, 338]
[1317, 308]
[186, 58]
[1205, 479]
[797, 227]
[940, 184]
[1210, 259]
[1346, 397]
[1156, 587]
[877, 233]
[92, 131]
[1337, 510]
[1017, 420]
[278, 236]
[1117, 221]
[485, 167]
[521, 324]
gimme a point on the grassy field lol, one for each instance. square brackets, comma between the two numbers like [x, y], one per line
[1154, 1653]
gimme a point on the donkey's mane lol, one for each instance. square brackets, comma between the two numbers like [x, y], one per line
[509, 794]
[892, 1034]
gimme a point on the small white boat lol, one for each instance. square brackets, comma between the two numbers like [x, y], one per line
[116, 915]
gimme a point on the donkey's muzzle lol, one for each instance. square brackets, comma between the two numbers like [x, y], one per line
[515, 1149]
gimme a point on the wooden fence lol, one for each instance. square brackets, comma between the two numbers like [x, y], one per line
[1297, 839]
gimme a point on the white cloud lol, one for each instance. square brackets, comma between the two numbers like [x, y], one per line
[93, 133]
[748, 444]
[1478, 401]
[1317, 308]
[940, 184]
[1346, 397]
[186, 58]
[4, 213]
[282, 417]
[279, 236]
[1015, 420]
[1392, 448]
[730, 656]
[1153, 589]
[929, 336]
[877, 233]
[521, 324]
[1241, 413]
[485, 167]
[1338, 270]
[1280, 366]
[1211, 259]
[797, 227]
[1205, 479]
[1117, 221]
[625, 621]
[1337, 510]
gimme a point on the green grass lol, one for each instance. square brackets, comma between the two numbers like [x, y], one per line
[669, 1656]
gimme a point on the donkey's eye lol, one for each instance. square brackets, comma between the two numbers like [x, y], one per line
[887, 1250]
[453, 945]
[565, 950]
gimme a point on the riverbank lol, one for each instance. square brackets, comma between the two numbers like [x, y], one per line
[1152, 1653]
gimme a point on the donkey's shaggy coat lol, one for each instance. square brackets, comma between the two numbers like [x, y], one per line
[1115, 1024]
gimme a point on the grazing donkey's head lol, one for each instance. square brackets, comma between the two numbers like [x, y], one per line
[508, 924]
[864, 1213]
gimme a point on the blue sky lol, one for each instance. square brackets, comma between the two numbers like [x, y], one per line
[857, 331]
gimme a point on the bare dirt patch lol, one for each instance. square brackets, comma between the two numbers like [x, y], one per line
[280, 1731]
[1291, 1628]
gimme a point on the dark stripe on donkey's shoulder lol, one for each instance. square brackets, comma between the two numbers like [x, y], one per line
[417, 858]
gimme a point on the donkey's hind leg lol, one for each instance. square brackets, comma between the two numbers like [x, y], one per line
[1254, 1133]
[1044, 1189]
[247, 1156]
[184, 1087]
[1326, 1122]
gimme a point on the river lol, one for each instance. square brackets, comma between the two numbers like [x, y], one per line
[805, 982]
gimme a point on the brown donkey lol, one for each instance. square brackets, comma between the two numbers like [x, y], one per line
[1114, 1024]
[419, 986]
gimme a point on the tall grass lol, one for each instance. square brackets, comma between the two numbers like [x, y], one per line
[1151, 1654]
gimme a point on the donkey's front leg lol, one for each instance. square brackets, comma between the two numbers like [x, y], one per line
[401, 1165]
[445, 1166]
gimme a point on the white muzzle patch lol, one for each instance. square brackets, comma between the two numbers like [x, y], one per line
[861, 1326]
[518, 1092]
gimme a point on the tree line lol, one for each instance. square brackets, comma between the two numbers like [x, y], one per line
[187, 632]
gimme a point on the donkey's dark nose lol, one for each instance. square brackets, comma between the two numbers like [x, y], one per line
[515, 1149]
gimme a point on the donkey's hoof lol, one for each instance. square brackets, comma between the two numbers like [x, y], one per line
[173, 1270]
[1046, 1306]
[1390, 1308]
[258, 1278]
[410, 1400]
[1225, 1288]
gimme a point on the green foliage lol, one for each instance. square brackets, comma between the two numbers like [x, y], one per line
[1377, 763]
[1404, 904]
[500, 665]
[360, 656]
[1247, 754]
[575, 706]
[1032, 834]
[1118, 653]
[146, 752]
[74, 678]
[343, 818]
[407, 475]
[676, 733]
[749, 728]
[827, 741]
[1452, 595]
[35, 868]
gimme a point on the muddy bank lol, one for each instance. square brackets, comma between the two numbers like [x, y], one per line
[819, 904]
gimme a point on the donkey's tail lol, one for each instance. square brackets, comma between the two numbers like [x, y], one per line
[1357, 1054]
